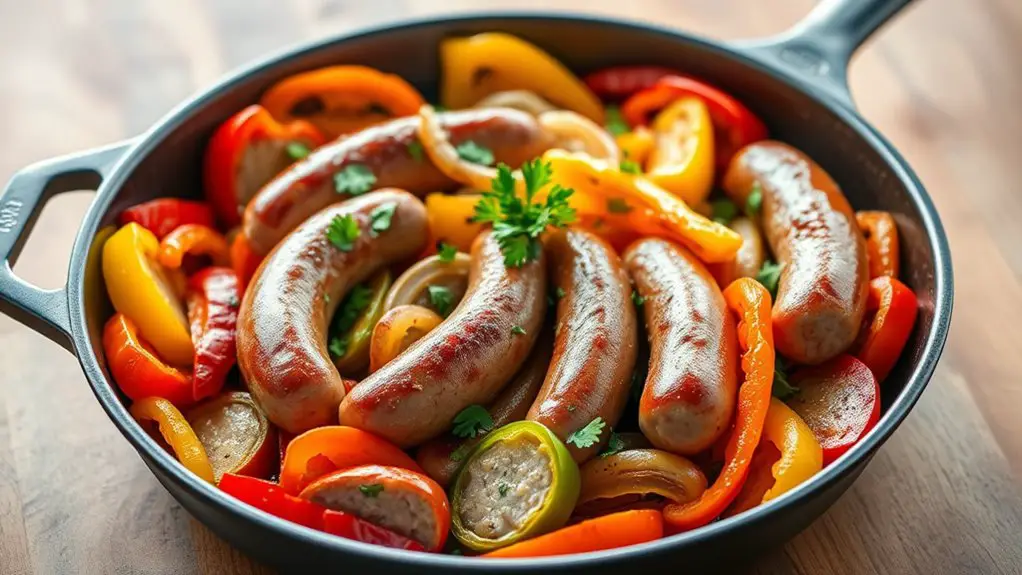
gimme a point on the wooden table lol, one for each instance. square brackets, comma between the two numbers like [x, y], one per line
[943, 83]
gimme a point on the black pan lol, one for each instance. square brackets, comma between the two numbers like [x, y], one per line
[796, 82]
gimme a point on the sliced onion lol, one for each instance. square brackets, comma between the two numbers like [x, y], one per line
[412, 287]
[445, 157]
[576, 133]
[629, 478]
[524, 100]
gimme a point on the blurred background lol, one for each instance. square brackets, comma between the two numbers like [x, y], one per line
[943, 81]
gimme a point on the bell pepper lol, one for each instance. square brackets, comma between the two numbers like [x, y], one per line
[244, 261]
[636, 146]
[645, 207]
[140, 288]
[607, 532]
[271, 498]
[617, 83]
[788, 455]
[162, 215]
[734, 124]
[891, 310]
[193, 239]
[176, 432]
[557, 505]
[681, 161]
[351, 527]
[392, 486]
[342, 99]
[354, 328]
[213, 300]
[451, 219]
[479, 65]
[750, 301]
[136, 369]
[246, 152]
[397, 330]
[881, 235]
[839, 400]
[323, 450]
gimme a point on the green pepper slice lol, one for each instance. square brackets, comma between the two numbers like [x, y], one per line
[529, 468]
[355, 338]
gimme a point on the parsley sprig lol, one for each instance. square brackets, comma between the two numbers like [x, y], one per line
[472, 421]
[517, 224]
[589, 435]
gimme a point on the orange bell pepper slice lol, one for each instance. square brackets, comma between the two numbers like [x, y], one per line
[323, 450]
[606, 532]
[881, 235]
[451, 219]
[891, 310]
[246, 152]
[342, 99]
[681, 161]
[244, 261]
[177, 432]
[750, 301]
[193, 239]
[137, 370]
[636, 145]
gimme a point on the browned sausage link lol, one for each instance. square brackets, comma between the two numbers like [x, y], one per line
[750, 256]
[812, 231]
[441, 458]
[308, 186]
[595, 341]
[465, 360]
[689, 394]
[283, 321]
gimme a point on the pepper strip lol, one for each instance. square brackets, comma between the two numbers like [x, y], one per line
[177, 432]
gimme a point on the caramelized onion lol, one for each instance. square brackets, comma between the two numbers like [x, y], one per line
[576, 133]
[628, 480]
[413, 285]
[524, 100]
[442, 153]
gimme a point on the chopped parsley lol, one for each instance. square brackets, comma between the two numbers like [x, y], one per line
[472, 421]
[342, 232]
[618, 206]
[614, 445]
[770, 275]
[473, 152]
[614, 122]
[354, 180]
[357, 300]
[233, 302]
[637, 299]
[754, 202]
[589, 435]
[630, 167]
[503, 488]
[371, 489]
[517, 225]
[446, 252]
[441, 299]
[297, 150]
[518, 330]
[782, 388]
[416, 151]
[724, 211]
[380, 218]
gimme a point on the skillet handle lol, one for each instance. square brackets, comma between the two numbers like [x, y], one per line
[818, 48]
[45, 311]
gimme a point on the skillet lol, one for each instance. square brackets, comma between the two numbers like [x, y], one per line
[796, 82]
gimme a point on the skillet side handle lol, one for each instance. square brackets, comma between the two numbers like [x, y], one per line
[818, 48]
[45, 311]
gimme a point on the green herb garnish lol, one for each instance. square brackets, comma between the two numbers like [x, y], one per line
[781, 388]
[446, 252]
[472, 421]
[518, 330]
[637, 299]
[441, 299]
[754, 202]
[380, 218]
[351, 308]
[614, 445]
[371, 489]
[416, 151]
[473, 152]
[588, 435]
[770, 275]
[503, 488]
[354, 180]
[342, 232]
[618, 206]
[724, 211]
[630, 167]
[614, 122]
[297, 150]
[517, 224]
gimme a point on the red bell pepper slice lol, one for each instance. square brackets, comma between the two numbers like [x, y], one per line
[193, 240]
[272, 499]
[165, 214]
[227, 186]
[734, 125]
[214, 295]
[891, 310]
[351, 527]
[244, 261]
[137, 370]
[619, 82]
[839, 400]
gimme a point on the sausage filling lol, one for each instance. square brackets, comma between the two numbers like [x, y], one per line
[505, 487]
[403, 513]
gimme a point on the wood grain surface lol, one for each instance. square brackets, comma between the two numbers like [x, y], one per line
[943, 82]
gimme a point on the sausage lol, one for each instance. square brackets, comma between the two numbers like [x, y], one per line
[689, 394]
[595, 341]
[465, 360]
[812, 231]
[750, 256]
[284, 317]
[308, 186]
[441, 458]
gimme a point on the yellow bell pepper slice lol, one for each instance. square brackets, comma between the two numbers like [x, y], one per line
[142, 289]
[177, 432]
[477, 66]
[682, 160]
[801, 454]
[637, 145]
[650, 209]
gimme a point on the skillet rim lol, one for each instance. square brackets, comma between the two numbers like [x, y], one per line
[209, 495]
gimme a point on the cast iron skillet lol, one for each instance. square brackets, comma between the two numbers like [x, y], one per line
[796, 82]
